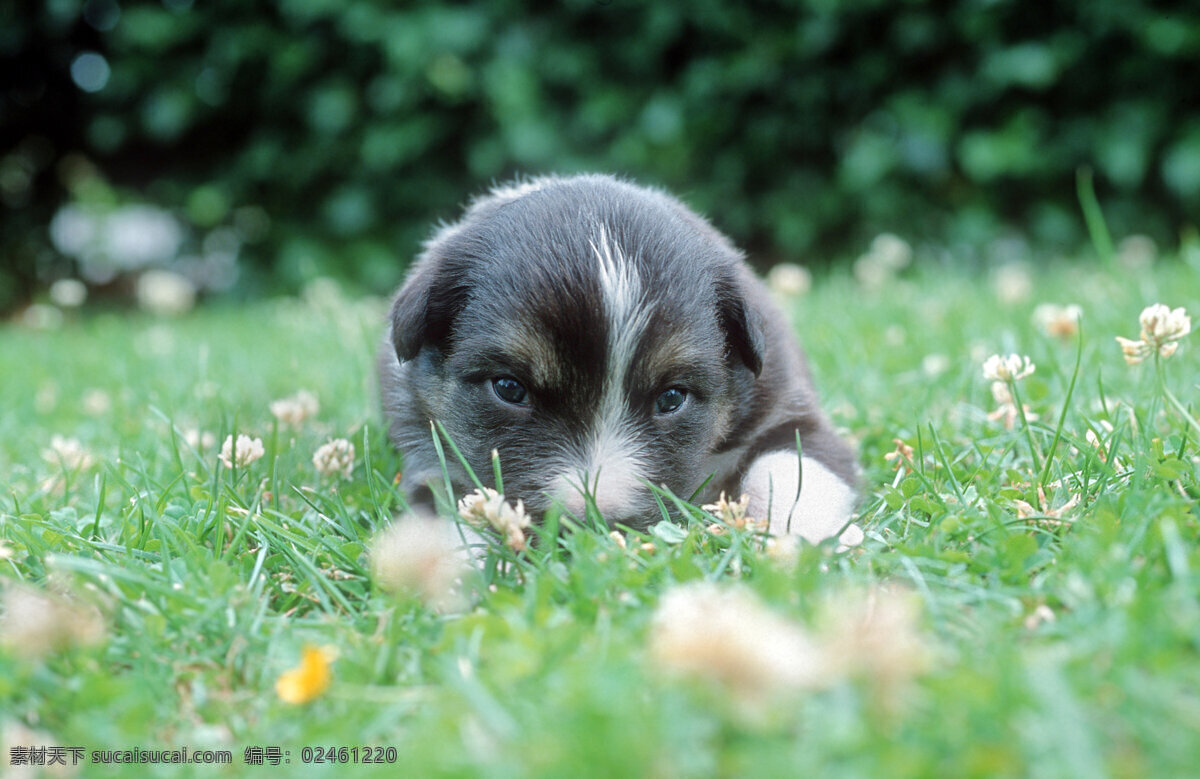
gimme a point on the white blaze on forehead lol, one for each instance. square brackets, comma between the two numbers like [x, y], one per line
[624, 309]
[612, 461]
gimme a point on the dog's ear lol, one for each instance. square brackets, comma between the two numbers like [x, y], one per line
[426, 306]
[742, 325]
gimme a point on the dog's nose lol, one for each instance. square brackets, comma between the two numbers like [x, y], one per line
[614, 506]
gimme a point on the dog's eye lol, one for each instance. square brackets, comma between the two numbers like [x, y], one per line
[509, 390]
[670, 401]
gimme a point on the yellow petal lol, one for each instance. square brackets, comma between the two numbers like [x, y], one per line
[308, 680]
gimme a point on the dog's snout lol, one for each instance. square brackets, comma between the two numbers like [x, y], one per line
[616, 499]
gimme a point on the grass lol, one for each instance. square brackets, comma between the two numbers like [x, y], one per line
[1053, 648]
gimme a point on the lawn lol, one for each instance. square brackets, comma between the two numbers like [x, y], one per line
[1026, 602]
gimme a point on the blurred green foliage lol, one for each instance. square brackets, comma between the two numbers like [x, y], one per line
[341, 130]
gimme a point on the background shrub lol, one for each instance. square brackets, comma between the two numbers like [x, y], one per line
[322, 137]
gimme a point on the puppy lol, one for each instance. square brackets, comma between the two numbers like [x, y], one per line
[604, 338]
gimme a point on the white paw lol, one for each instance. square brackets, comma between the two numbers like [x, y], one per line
[800, 496]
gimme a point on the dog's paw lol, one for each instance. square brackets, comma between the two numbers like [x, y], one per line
[800, 496]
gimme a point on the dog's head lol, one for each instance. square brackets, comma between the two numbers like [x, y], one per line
[595, 333]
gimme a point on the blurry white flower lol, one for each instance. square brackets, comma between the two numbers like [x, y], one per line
[199, 439]
[45, 399]
[16, 734]
[785, 550]
[1162, 328]
[96, 402]
[68, 293]
[1058, 321]
[246, 451]
[1006, 407]
[40, 316]
[164, 292]
[892, 251]
[140, 235]
[875, 636]
[73, 230]
[728, 635]
[487, 508]
[789, 279]
[295, 409]
[335, 458]
[421, 555]
[1044, 511]
[1012, 282]
[887, 255]
[1137, 252]
[935, 364]
[1040, 615]
[1013, 367]
[35, 623]
[901, 457]
[68, 453]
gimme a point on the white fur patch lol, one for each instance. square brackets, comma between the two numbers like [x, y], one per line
[623, 303]
[612, 464]
[800, 497]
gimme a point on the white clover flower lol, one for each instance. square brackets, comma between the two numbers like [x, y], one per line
[294, 410]
[733, 514]
[789, 279]
[1006, 407]
[1136, 351]
[477, 507]
[68, 453]
[1014, 367]
[1043, 511]
[335, 457]
[421, 555]
[487, 508]
[728, 635]
[35, 623]
[246, 451]
[1058, 321]
[902, 456]
[1161, 324]
[1162, 329]
[875, 636]
[164, 292]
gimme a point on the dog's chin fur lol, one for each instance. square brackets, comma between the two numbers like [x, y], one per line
[597, 295]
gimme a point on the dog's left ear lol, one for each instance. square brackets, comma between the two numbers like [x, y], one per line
[426, 306]
[742, 325]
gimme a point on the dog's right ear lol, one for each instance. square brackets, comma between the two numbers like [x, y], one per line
[426, 306]
[744, 330]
